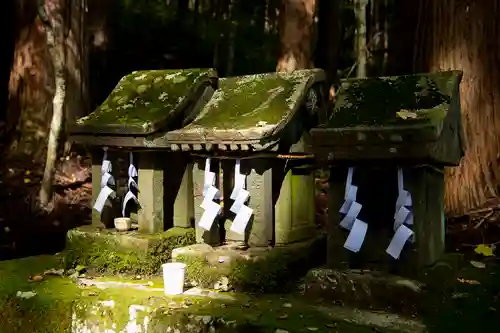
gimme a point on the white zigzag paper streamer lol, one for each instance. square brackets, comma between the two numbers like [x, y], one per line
[106, 179]
[132, 174]
[351, 209]
[210, 192]
[403, 218]
[240, 196]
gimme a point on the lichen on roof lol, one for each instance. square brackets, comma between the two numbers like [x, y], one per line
[145, 97]
[409, 100]
[254, 100]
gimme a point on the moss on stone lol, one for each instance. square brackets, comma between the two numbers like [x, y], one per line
[275, 271]
[247, 101]
[144, 98]
[111, 252]
[409, 100]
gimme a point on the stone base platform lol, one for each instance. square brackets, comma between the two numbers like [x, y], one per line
[268, 269]
[107, 250]
[364, 289]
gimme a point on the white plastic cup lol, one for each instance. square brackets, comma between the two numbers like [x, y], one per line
[173, 278]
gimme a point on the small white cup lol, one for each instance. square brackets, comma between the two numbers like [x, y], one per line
[123, 223]
[173, 278]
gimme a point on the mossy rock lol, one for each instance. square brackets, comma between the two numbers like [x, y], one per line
[255, 269]
[131, 252]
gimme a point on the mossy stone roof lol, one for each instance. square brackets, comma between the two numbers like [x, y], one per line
[399, 111]
[251, 107]
[145, 101]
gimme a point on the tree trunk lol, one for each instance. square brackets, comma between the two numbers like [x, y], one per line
[463, 35]
[54, 32]
[31, 85]
[296, 34]
[360, 10]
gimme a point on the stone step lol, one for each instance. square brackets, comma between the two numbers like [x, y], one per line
[364, 289]
[110, 251]
[261, 269]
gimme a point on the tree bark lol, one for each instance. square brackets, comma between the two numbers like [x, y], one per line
[463, 35]
[296, 34]
[52, 15]
[360, 11]
[31, 86]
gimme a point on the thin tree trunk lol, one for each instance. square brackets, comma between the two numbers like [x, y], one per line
[54, 25]
[360, 11]
[296, 34]
[463, 35]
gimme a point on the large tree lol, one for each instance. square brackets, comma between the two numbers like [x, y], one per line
[455, 34]
[296, 34]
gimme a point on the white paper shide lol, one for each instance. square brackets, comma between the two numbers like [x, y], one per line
[210, 192]
[132, 184]
[403, 219]
[350, 209]
[240, 196]
[107, 180]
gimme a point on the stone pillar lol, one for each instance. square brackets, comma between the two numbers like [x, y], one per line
[260, 185]
[151, 200]
[178, 190]
[96, 186]
[426, 185]
[211, 237]
[295, 218]
[337, 255]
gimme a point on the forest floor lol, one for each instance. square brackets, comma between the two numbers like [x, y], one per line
[471, 301]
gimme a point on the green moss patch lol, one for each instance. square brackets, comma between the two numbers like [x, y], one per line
[48, 311]
[133, 253]
[142, 99]
[246, 101]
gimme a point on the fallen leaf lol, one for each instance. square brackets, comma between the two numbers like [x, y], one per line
[477, 264]
[25, 294]
[80, 268]
[36, 278]
[405, 114]
[52, 271]
[468, 281]
[484, 250]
